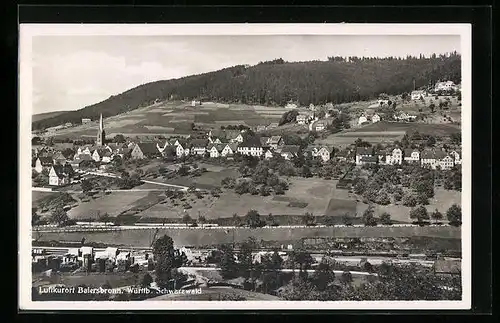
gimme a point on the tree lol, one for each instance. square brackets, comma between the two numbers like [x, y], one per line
[271, 221]
[191, 188]
[454, 215]
[323, 275]
[228, 182]
[369, 217]
[227, 264]
[202, 220]
[385, 218]
[187, 219]
[216, 192]
[306, 171]
[59, 216]
[183, 170]
[346, 278]
[308, 219]
[245, 258]
[436, 215]
[167, 259]
[146, 280]
[347, 219]
[236, 220]
[34, 216]
[252, 219]
[87, 186]
[419, 213]
[409, 200]
[119, 138]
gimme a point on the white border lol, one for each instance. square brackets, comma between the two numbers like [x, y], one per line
[27, 31]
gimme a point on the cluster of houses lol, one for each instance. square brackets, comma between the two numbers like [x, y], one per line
[446, 86]
[431, 158]
[364, 119]
[88, 257]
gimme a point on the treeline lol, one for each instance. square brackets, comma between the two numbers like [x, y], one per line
[278, 82]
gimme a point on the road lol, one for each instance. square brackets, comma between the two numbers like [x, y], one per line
[97, 173]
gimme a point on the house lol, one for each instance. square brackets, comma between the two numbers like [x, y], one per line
[383, 155]
[375, 118]
[199, 146]
[195, 103]
[457, 156]
[368, 160]
[444, 86]
[251, 147]
[320, 126]
[43, 163]
[395, 157]
[87, 149]
[289, 151]
[79, 159]
[229, 150]
[268, 154]
[161, 146]
[344, 156]
[325, 153]
[275, 142]
[182, 148]
[144, 150]
[60, 175]
[291, 106]
[96, 156]
[447, 162]
[86, 120]
[215, 150]
[362, 120]
[214, 140]
[301, 119]
[106, 156]
[417, 95]
[428, 159]
[312, 107]
[264, 141]
[364, 153]
[260, 128]
[411, 156]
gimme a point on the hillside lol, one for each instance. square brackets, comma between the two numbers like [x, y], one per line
[47, 115]
[275, 83]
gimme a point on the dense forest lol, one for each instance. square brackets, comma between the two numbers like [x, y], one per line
[276, 82]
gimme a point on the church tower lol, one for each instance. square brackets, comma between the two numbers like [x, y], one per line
[101, 134]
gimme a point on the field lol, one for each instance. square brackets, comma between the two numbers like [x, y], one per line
[387, 132]
[113, 204]
[38, 195]
[206, 237]
[176, 118]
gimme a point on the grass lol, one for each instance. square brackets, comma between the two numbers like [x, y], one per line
[206, 237]
[38, 195]
[94, 279]
[409, 127]
[113, 204]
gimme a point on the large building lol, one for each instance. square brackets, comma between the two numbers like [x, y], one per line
[101, 134]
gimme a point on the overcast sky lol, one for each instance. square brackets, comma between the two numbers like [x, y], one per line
[70, 73]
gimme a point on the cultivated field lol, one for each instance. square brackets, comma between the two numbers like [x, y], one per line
[176, 117]
[204, 237]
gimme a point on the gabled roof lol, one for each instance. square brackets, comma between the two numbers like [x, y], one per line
[148, 148]
[329, 149]
[233, 146]
[274, 140]
[408, 151]
[62, 171]
[364, 151]
[199, 143]
[82, 157]
[46, 161]
[251, 142]
[219, 147]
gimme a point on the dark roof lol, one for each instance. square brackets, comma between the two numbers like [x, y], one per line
[46, 161]
[199, 143]
[369, 159]
[409, 151]
[148, 148]
[433, 154]
[290, 149]
[82, 157]
[274, 139]
[219, 147]
[447, 267]
[251, 142]
[330, 149]
[364, 151]
[62, 171]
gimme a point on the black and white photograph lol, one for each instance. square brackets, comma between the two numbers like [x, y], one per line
[261, 166]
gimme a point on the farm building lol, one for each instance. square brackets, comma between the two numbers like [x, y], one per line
[289, 151]
[411, 156]
[417, 95]
[251, 147]
[375, 118]
[60, 175]
[144, 150]
[43, 162]
[364, 155]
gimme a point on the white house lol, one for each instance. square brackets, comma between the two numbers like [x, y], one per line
[445, 86]
[395, 157]
[325, 153]
[375, 118]
[411, 156]
[251, 147]
[229, 150]
[319, 126]
[182, 149]
[161, 147]
[274, 142]
[362, 120]
[268, 154]
[301, 119]
[43, 162]
[291, 106]
[417, 95]
[215, 150]
[199, 146]
[456, 154]
[447, 162]
[364, 154]
[59, 175]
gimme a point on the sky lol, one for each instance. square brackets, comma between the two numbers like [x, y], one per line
[71, 72]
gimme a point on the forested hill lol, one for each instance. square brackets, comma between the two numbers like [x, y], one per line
[276, 82]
